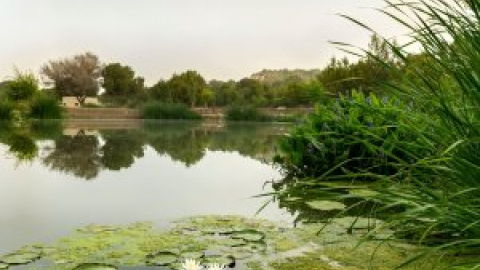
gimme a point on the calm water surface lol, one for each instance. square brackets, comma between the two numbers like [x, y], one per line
[56, 177]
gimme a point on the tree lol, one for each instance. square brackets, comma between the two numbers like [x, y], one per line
[77, 76]
[120, 80]
[161, 92]
[187, 87]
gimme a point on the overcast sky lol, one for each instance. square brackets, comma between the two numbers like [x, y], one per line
[222, 39]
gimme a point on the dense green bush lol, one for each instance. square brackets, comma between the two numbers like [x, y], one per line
[6, 110]
[157, 110]
[353, 137]
[43, 106]
[245, 113]
[23, 87]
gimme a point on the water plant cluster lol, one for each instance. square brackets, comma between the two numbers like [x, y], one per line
[424, 156]
[204, 241]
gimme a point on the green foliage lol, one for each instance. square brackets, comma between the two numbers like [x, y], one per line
[22, 146]
[245, 113]
[77, 76]
[369, 74]
[6, 110]
[158, 110]
[353, 136]
[437, 205]
[44, 106]
[23, 87]
[121, 80]
[187, 87]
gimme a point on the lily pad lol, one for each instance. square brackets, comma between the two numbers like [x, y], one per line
[248, 235]
[20, 258]
[162, 258]
[326, 205]
[193, 255]
[228, 261]
[3, 266]
[257, 247]
[95, 266]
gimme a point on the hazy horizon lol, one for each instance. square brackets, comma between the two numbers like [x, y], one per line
[221, 39]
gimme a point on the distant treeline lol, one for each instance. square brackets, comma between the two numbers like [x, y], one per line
[84, 75]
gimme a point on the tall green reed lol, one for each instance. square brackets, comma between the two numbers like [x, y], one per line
[444, 213]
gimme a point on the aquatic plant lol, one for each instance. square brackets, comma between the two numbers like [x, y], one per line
[43, 106]
[216, 266]
[191, 265]
[354, 137]
[441, 208]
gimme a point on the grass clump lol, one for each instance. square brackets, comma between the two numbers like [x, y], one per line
[158, 110]
[43, 106]
[246, 113]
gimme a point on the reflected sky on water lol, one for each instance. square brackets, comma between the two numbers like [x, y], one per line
[77, 174]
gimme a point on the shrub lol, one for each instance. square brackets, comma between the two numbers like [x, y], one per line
[45, 106]
[245, 113]
[353, 137]
[23, 87]
[6, 110]
[158, 110]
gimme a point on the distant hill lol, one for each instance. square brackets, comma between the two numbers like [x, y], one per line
[272, 76]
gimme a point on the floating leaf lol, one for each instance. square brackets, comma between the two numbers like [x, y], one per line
[95, 266]
[20, 257]
[162, 258]
[228, 261]
[193, 255]
[326, 205]
[248, 235]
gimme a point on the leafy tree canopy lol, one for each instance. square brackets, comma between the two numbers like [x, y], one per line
[77, 76]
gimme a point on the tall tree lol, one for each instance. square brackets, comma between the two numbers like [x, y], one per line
[120, 80]
[187, 87]
[77, 76]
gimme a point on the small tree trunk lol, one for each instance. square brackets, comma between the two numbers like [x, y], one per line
[81, 99]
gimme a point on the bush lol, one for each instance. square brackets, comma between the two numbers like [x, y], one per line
[44, 106]
[6, 110]
[352, 137]
[23, 87]
[158, 110]
[245, 113]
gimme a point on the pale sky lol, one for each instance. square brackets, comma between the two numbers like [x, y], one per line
[222, 39]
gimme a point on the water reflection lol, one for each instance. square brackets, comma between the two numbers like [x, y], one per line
[294, 196]
[136, 171]
[84, 149]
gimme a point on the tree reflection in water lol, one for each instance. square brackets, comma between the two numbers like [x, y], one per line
[85, 154]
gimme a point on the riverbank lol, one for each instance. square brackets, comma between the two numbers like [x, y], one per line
[206, 113]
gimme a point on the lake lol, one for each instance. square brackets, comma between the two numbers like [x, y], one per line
[56, 177]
